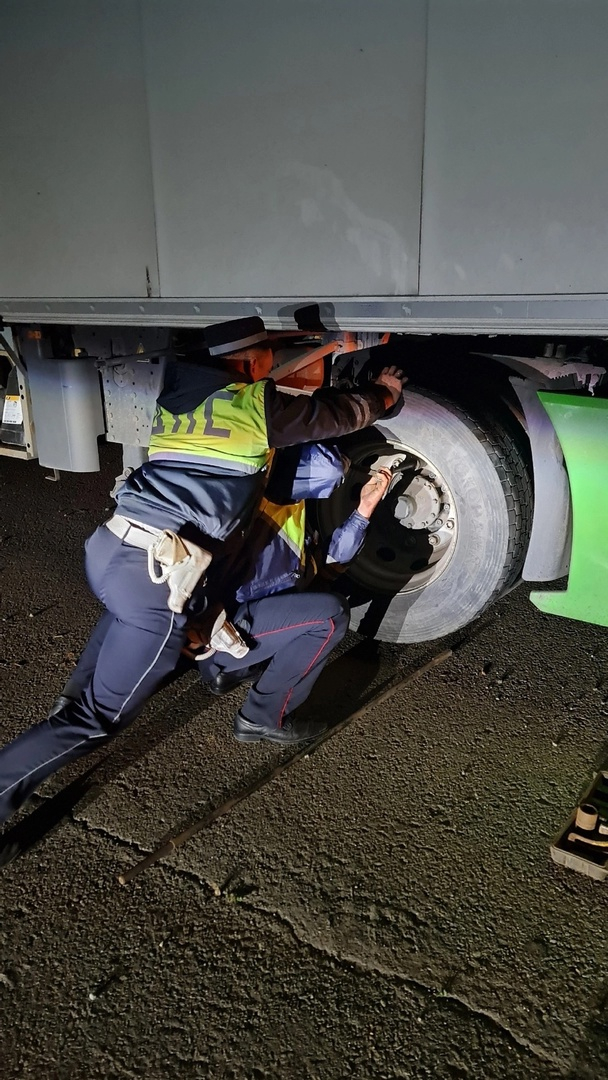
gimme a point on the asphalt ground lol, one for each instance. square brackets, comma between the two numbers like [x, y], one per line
[385, 908]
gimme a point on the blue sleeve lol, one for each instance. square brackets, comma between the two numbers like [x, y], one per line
[347, 539]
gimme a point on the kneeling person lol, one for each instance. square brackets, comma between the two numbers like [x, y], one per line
[291, 632]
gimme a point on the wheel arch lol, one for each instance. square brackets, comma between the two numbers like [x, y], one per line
[507, 382]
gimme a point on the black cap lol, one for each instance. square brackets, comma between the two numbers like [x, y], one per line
[229, 337]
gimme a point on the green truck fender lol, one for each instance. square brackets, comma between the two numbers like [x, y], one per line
[581, 424]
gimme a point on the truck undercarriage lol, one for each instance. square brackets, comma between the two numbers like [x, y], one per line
[493, 463]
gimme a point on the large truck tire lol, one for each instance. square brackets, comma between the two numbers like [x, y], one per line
[451, 534]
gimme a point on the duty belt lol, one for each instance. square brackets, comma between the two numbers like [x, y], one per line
[183, 565]
[134, 533]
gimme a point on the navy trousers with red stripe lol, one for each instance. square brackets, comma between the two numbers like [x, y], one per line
[295, 632]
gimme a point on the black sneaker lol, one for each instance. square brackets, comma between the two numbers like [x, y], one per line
[226, 681]
[292, 731]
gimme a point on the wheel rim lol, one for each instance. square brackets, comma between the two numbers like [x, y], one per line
[413, 532]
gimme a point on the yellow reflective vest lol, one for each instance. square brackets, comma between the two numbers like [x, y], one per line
[227, 428]
[277, 551]
[288, 524]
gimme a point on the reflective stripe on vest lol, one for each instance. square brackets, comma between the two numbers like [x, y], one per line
[229, 428]
[289, 524]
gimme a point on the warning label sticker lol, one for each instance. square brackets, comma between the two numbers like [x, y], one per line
[12, 412]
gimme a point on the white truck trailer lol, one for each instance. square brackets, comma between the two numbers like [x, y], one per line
[420, 180]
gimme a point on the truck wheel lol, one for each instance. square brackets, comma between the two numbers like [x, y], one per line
[451, 534]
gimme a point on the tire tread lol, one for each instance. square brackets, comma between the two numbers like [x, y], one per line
[506, 445]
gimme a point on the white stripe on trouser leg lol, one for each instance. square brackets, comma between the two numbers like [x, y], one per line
[103, 735]
[41, 766]
[147, 671]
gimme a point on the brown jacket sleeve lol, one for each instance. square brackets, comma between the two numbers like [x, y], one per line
[327, 414]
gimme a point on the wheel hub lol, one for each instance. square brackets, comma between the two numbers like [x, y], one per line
[420, 504]
[412, 534]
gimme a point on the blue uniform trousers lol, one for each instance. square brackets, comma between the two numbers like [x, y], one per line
[135, 645]
[295, 632]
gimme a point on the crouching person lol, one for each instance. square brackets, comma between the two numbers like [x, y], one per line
[215, 428]
[291, 632]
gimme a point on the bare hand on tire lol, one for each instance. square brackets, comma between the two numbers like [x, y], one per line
[393, 378]
[373, 491]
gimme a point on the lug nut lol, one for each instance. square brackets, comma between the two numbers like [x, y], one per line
[433, 540]
[449, 524]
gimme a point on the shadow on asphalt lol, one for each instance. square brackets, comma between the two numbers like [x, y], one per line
[340, 690]
[343, 684]
[346, 684]
[111, 761]
[43, 821]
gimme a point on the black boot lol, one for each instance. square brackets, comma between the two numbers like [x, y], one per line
[59, 703]
[291, 732]
[226, 681]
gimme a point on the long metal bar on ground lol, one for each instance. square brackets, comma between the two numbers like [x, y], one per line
[176, 841]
